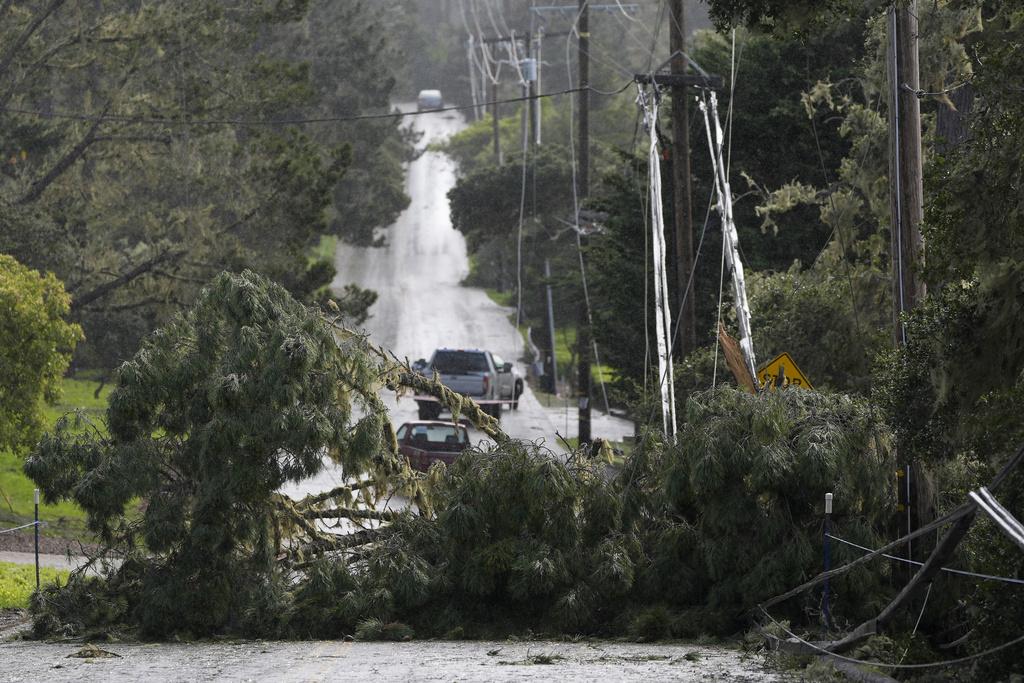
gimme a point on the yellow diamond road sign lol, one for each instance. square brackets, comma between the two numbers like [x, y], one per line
[782, 371]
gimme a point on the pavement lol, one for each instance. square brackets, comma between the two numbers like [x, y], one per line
[410, 661]
[45, 559]
[422, 305]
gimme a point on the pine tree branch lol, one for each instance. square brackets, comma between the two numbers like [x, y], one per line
[335, 492]
[74, 154]
[324, 544]
[349, 513]
[8, 56]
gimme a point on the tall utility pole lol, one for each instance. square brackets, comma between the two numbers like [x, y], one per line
[494, 123]
[906, 193]
[905, 175]
[583, 179]
[681, 193]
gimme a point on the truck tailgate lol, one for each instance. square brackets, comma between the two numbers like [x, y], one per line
[471, 384]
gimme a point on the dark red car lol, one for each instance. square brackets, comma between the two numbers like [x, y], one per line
[427, 441]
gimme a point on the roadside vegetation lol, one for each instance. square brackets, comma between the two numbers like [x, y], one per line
[18, 583]
[509, 538]
[63, 519]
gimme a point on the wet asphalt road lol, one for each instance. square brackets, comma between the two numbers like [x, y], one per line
[412, 661]
[421, 306]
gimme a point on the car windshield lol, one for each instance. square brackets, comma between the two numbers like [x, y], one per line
[460, 362]
[439, 434]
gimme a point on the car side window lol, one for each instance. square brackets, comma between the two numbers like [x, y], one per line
[402, 432]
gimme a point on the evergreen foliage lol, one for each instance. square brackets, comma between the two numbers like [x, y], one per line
[743, 493]
[955, 392]
[250, 389]
[135, 213]
[245, 392]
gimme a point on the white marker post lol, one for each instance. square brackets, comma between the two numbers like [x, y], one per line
[36, 527]
[828, 530]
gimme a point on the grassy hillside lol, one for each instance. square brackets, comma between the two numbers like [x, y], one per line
[63, 519]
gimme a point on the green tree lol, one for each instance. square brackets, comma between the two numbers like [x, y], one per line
[956, 390]
[246, 391]
[133, 205]
[37, 344]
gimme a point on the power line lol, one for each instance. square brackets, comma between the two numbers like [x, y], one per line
[950, 570]
[167, 121]
[883, 665]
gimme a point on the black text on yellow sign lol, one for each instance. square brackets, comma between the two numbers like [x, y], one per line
[782, 371]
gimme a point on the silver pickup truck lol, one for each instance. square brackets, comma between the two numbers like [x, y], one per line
[474, 373]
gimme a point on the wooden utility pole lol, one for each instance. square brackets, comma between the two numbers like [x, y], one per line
[681, 192]
[906, 196]
[583, 182]
[905, 173]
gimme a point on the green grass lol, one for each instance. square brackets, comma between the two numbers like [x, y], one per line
[502, 298]
[324, 251]
[16, 499]
[565, 339]
[17, 581]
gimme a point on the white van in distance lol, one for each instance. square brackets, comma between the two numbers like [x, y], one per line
[429, 99]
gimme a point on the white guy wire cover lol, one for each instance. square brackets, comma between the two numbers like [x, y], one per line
[729, 233]
[663, 313]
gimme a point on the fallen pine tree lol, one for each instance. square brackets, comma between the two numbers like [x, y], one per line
[249, 390]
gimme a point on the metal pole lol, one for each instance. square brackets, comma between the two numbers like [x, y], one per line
[36, 527]
[538, 87]
[551, 329]
[826, 610]
[494, 123]
[910, 529]
[905, 166]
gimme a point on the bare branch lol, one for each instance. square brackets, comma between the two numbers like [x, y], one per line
[74, 154]
[80, 301]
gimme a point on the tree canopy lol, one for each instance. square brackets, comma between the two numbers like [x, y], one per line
[146, 149]
[36, 343]
[246, 391]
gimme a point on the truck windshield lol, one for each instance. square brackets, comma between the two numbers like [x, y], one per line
[460, 362]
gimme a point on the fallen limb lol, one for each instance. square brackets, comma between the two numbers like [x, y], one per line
[336, 492]
[349, 513]
[329, 543]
